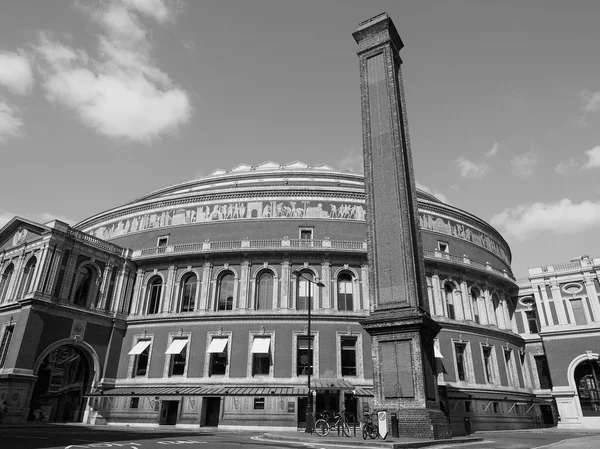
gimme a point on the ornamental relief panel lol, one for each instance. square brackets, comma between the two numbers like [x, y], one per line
[461, 231]
[229, 211]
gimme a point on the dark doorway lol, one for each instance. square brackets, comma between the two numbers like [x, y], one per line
[587, 376]
[168, 414]
[213, 408]
[351, 407]
[63, 379]
[547, 416]
[302, 412]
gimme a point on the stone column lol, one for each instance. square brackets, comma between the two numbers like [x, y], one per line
[52, 272]
[489, 306]
[70, 273]
[120, 286]
[539, 308]
[105, 286]
[400, 327]
[40, 269]
[16, 278]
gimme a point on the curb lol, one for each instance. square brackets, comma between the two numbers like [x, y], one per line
[375, 443]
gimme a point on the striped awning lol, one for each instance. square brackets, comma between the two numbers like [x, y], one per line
[208, 390]
[364, 392]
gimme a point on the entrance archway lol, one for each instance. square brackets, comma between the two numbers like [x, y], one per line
[64, 376]
[587, 377]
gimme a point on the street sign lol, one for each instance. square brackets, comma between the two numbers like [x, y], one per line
[383, 427]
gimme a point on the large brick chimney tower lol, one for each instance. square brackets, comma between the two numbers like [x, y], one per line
[400, 327]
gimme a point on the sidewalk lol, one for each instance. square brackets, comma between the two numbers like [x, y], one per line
[342, 441]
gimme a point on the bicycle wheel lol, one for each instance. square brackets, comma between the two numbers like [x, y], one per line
[321, 428]
[346, 428]
[373, 431]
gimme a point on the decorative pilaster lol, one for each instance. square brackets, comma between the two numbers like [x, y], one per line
[326, 302]
[53, 271]
[437, 296]
[70, 272]
[244, 302]
[168, 295]
[489, 306]
[539, 304]
[137, 293]
[464, 293]
[105, 286]
[364, 281]
[590, 288]
[40, 269]
[285, 284]
[16, 278]
[204, 294]
[559, 304]
[120, 286]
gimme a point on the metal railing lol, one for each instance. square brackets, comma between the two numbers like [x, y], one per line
[466, 261]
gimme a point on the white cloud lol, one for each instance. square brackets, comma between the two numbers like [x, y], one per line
[593, 158]
[43, 217]
[563, 167]
[493, 150]
[15, 72]
[591, 101]
[523, 165]
[353, 161]
[122, 93]
[469, 169]
[440, 196]
[561, 217]
[10, 122]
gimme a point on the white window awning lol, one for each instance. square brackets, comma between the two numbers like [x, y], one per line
[261, 345]
[217, 345]
[437, 353]
[177, 346]
[139, 347]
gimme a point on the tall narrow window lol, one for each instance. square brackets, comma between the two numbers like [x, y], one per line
[178, 356]
[450, 300]
[345, 292]
[261, 356]
[509, 367]
[487, 364]
[475, 305]
[154, 293]
[304, 290]
[264, 291]
[578, 313]
[5, 344]
[304, 363]
[188, 293]
[532, 321]
[348, 356]
[5, 281]
[141, 352]
[84, 284]
[543, 372]
[28, 272]
[225, 296]
[460, 361]
[218, 356]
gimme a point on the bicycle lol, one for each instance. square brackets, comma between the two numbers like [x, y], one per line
[370, 428]
[323, 426]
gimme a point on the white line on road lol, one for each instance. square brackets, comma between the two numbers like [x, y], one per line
[548, 445]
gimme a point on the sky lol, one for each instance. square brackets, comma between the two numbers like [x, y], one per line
[102, 101]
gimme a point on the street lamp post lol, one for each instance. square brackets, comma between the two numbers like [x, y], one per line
[309, 423]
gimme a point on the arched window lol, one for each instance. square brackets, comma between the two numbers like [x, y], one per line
[305, 289]
[498, 311]
[5, 281]
[474, 304]
[449, 288]
[28, 273]
[188, 293]
[264, 291]
[587, 376]
[345, 292]
[225, 292]
[84, 284]
[154, 293]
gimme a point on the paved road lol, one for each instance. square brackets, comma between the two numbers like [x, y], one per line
[81, 437]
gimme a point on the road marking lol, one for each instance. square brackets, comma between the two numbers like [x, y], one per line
[551, 444]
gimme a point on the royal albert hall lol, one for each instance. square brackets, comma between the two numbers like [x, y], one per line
[189, 306]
